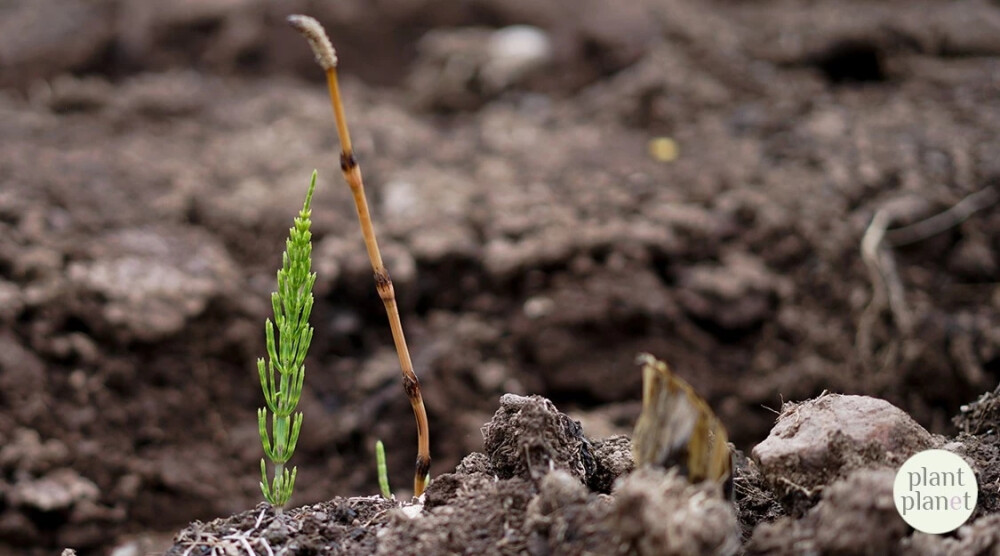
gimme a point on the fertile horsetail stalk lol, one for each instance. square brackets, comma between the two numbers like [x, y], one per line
[327, 59]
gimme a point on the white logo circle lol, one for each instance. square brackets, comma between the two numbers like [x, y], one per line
[935, 491]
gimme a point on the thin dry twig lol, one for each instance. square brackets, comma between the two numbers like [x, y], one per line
[808, 492]
[876, 252]
[327, 58]
[771, 409]
[953, 216]
[882, 268]
[887, 288]
[243, 542]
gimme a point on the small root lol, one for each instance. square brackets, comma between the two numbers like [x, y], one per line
[945, 220]
[887, 289]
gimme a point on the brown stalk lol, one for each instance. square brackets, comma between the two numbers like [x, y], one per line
[327, 58]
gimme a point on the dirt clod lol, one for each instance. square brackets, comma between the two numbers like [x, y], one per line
[756, 503]
[856, 516]
[613, 459]
[307, 529]
[58, 490]
[659, 512]
[485, 515]
[461, 69]
[980, 416]
[528, 437]
[151, 281]
[817, 441]
[565, 518]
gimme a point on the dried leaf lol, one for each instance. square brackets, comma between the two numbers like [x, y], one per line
[677, 428]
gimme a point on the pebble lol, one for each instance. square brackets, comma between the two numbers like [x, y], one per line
[513, 52]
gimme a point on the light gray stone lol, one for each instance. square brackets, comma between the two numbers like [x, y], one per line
[818, 441]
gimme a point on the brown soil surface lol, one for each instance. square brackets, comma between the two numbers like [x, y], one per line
[152, 157]
[541, 487]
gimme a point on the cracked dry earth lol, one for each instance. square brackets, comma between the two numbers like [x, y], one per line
[152, 157]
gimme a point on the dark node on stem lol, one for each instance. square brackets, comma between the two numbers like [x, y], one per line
[348, 162]
[423, 466]
[382, 279]
[412, 387]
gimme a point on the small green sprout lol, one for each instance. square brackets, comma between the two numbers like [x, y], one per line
[383, 473]
[281, 377]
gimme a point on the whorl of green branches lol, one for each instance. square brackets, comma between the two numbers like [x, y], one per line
[281, 376]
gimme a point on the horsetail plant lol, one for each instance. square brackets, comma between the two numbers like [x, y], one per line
[327, 59]
[281, 376]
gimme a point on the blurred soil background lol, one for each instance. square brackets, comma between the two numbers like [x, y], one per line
[684, 177]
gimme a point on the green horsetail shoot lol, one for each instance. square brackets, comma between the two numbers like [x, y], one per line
[281, 376]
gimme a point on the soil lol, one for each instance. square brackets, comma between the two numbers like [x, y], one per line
[539, 233]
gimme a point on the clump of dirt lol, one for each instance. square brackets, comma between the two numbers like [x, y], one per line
[756, 503]
[528, 436]
[979, 440]
[857, 515]
[981, 416]
[657, 512]
[348, 525]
